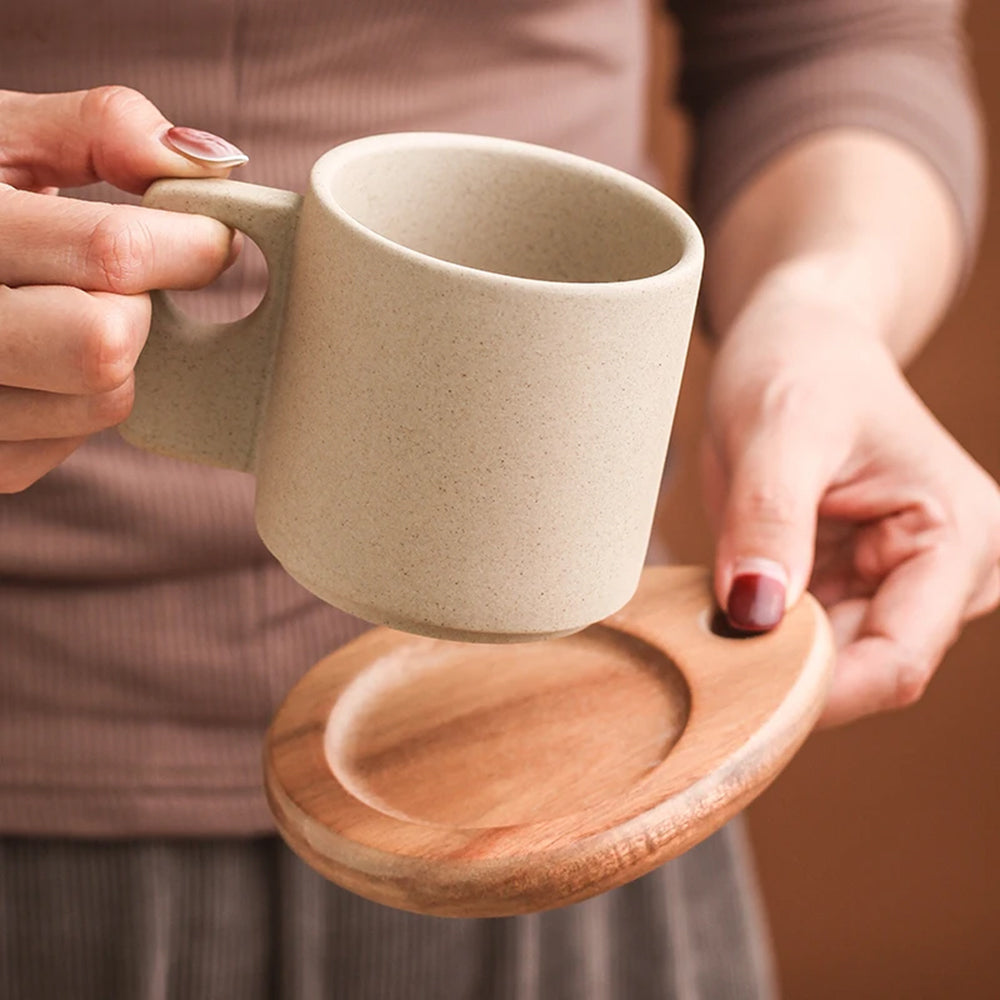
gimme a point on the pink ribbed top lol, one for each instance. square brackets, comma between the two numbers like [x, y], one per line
[146, 636]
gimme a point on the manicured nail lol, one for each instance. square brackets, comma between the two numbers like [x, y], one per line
[757, 595]
[204, 147]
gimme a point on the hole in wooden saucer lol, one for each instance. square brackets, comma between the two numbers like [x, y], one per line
[447, 734]
[714, 620]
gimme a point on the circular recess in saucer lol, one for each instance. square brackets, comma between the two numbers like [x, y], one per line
[530, 732]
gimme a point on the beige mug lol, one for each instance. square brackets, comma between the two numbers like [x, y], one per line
[457, 392]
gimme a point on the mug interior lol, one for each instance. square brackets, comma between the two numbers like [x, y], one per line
[510, 209]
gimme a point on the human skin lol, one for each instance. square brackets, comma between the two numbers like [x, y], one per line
[74, 313]
[822, 468]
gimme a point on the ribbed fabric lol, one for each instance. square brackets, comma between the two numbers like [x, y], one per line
[145, 635]
[211, 920]
[759, 75]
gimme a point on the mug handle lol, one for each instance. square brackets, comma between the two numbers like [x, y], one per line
[200, 388]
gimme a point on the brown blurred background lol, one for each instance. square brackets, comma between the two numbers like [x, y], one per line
[879, 847]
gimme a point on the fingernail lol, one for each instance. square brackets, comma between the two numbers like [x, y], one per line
[757, 595]
[204, 147]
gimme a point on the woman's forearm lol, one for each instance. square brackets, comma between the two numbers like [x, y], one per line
[848, 219]
[822, 468]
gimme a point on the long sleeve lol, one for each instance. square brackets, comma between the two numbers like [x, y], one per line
[759, 75]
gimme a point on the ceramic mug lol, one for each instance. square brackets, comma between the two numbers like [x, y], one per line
[457, 392]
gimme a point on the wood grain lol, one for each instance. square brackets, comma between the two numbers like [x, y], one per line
[470, 780]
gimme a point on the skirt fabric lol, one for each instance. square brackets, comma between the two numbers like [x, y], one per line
[246, 920]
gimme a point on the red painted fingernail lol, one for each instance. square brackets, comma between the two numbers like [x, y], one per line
[757, 596]
[204, 147]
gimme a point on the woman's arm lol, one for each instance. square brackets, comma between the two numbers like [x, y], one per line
[838, 227]
[838, 138]
[850, 218]
[760, 76]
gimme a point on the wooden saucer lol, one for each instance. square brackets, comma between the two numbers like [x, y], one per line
[472, 780]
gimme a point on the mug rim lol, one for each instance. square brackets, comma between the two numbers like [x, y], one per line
[691, 241]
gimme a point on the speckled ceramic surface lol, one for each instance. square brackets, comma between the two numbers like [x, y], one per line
[458, 392]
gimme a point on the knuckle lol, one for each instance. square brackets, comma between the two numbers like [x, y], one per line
[992, 521]
[209, 249]
[117, 252]
[769, 506]
[992, 600]
[107, 348]
[108, 104]
[111, 408]
[912, 677]
[783, 401]
[869, 562]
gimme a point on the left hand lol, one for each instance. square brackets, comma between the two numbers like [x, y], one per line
[824, 469]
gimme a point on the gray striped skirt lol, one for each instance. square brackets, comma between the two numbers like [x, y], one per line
[244, 919]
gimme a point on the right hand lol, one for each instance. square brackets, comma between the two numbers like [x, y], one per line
[74, 313]
[823, 468]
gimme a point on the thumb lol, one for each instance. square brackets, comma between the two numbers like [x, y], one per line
[767, 531]
[112, 134]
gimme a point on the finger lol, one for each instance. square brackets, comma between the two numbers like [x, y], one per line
[24, 462]
[61, 339]
[713, 482]
[909, 625]
[987, 598]
[30, 415]
[834, 578]
[123, 249]
[846, 619]
[767, 536]
[892, 540]
[110, 133]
